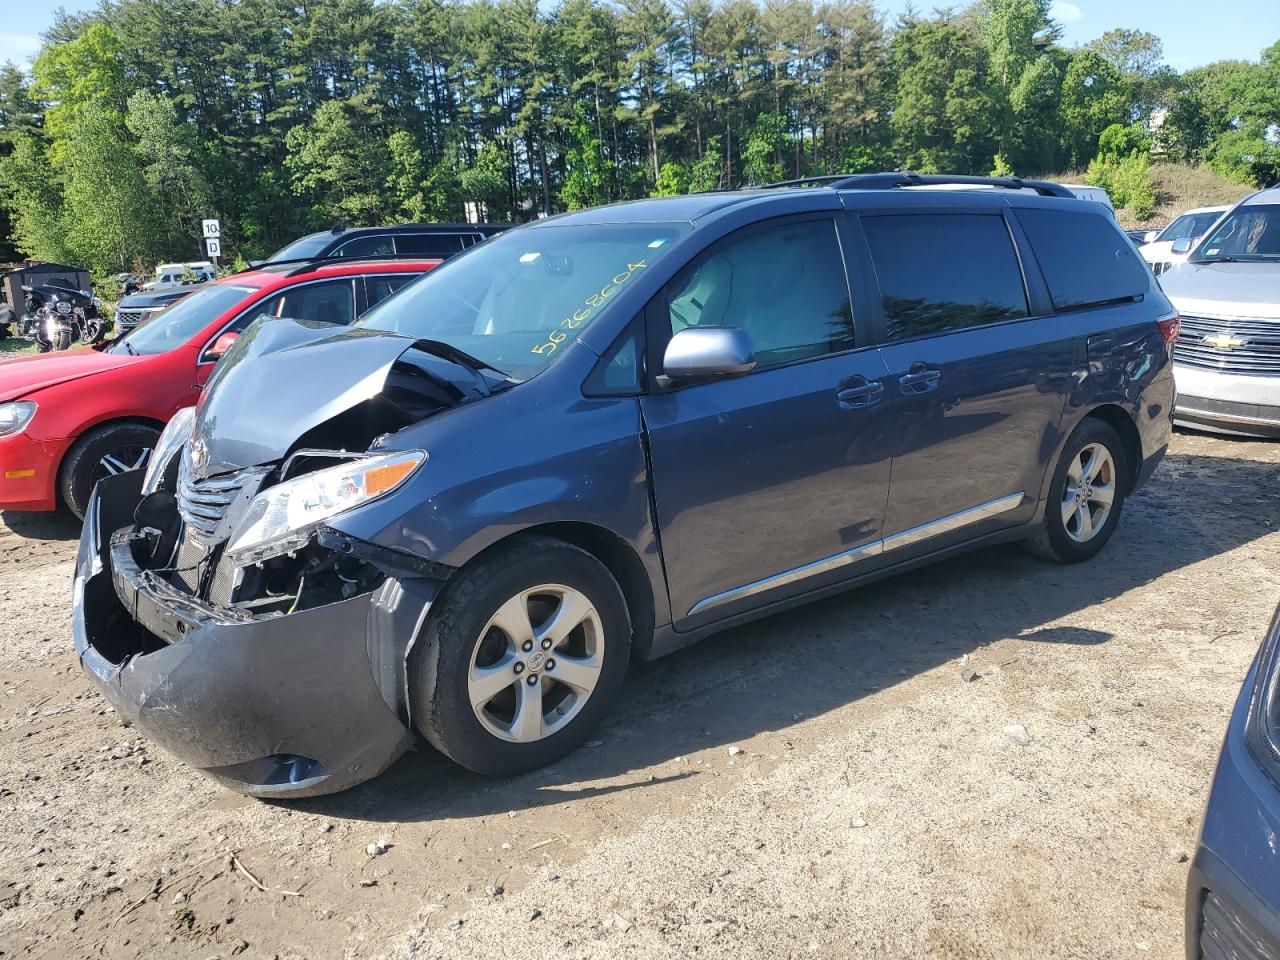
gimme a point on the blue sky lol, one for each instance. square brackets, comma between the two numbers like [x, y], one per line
[1194, 32]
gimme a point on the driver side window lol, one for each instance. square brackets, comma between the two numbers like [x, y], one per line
[783, 283]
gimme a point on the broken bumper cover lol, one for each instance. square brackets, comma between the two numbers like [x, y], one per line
[286, 706]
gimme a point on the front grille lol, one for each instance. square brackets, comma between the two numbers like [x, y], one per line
[203, 503]
[131, 318]
[1226, 935]
[1233, 345]
[1160, 266]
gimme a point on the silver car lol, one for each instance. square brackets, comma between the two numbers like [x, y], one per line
[1227, 357]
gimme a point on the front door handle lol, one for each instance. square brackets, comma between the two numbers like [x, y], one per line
[920, 379]
[858, 392]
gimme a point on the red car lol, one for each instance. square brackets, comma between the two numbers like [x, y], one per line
[69, 419]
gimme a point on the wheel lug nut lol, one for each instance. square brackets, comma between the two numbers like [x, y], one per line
[527, 646]
[551, 664]
[546, 644]
[519, 668]
[533, 679]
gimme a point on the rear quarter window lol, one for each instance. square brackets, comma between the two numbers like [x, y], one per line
[1085, 259]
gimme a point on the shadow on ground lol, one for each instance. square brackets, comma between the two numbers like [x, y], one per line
[807, 661]
[54, 525]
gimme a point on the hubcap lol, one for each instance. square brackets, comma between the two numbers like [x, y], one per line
[536, 663]
[122, 460]
[1089, 493]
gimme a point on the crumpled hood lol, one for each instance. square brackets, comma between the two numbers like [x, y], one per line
[281, 379]
[1250, 289]
[21, 376]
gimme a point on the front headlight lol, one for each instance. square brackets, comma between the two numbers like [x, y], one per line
[1262, 731]
[283, 517]
[15, 416]
[63, 307]
[176, 433]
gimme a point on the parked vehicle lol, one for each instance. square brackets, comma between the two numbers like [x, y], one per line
[414, 240]
[141, 307]
[68, 420]
[1094, 194]
[170, 275]
[606, 435]
[128, 283]
[57, 317]
[1233, 888]
[1227, 359]
[1190, 226]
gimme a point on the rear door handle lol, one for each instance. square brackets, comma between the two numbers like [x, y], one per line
[857, 392]
[920, 380]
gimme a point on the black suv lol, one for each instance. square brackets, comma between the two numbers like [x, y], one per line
[404, 240]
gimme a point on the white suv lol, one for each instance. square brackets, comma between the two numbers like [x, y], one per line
[1189, 226]
[1227, 358]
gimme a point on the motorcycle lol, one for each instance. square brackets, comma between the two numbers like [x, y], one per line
[57, 316]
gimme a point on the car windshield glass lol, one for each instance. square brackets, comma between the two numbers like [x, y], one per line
[178, 323]
[303, 249]
[517, 301]
[1188, 226]
[1247, 233]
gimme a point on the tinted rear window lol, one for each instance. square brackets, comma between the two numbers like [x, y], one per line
[941, 272]
[429, 244]
[1085, 258]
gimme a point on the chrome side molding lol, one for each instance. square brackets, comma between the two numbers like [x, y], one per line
[905, 538]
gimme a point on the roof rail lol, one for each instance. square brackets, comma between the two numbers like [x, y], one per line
[889, 181]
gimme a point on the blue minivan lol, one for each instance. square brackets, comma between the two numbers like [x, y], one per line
[603, 436]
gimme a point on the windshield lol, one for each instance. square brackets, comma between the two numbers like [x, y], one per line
[178, 323]
[1189, 226]
[515, 301]
[303, 249]
[1247, 233]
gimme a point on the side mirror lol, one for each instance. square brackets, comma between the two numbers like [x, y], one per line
[1182, 246]
[1150, 236]
[221, 345]
[698, 353]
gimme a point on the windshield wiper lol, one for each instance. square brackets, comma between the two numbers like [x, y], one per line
[129, 346]
[449, 352]
[473, 365]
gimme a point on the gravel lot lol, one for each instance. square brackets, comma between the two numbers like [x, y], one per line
[992, 757]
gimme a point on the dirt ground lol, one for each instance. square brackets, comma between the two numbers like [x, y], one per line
[828, 782]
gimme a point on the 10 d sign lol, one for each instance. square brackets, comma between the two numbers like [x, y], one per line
[211, 229]
[214, 246]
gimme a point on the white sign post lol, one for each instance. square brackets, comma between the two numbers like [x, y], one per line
[212, 231]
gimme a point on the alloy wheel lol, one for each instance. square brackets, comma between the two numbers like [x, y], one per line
[1089, 492]
[121, 460]
[536, 663]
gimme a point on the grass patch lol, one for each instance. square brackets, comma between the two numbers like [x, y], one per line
[1178, 188]
[15, 347]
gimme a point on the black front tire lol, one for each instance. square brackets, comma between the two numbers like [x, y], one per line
[79, 470]
[62, 340]
[1051, 540]
[441, 659]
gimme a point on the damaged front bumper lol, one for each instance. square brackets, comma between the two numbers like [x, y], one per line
[279, 705]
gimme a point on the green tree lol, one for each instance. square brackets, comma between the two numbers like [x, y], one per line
[1092, 100]
[339, 168]
[942, 120]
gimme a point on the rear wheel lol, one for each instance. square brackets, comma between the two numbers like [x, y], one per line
[1085, 497]
[103, 452]
[521, 657]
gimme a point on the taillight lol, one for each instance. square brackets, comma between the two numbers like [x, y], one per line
[1170, 327]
